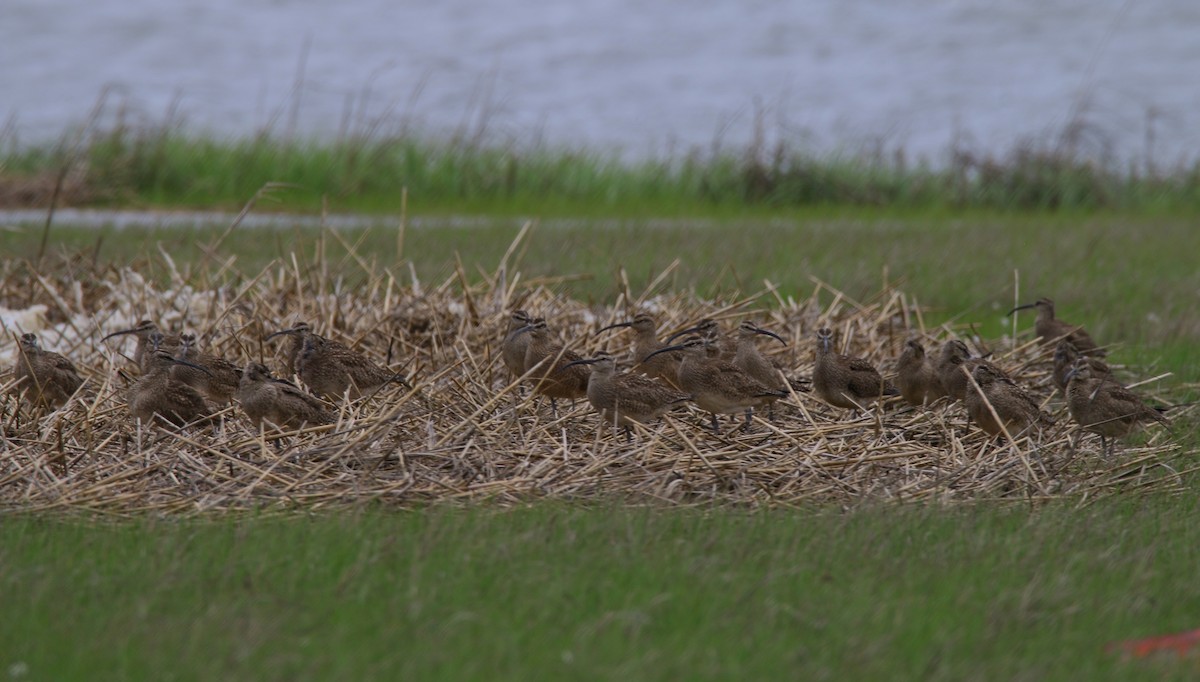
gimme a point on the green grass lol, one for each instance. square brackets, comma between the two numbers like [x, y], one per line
[165, 166]
[553, 592]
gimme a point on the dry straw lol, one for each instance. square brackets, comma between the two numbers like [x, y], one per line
[464, 433]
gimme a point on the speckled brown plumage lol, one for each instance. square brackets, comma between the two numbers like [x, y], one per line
[665, 366]
[218, 383]
[332, 370]
[1016, 409]
[916, 377]
[953, 364]
[512, 348]
[158, 397]
[546, 360]
[1106, 408]
[846, 381]
[43, 377]
[626, 397]
[718, 386]
[274, 401]
[1065, 355]
[1051, 330]
[144, 330]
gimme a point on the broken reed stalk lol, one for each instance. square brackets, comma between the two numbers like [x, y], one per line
[463, 433]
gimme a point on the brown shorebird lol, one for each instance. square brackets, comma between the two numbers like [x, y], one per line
[143, 330]
[278, 402]
[512, 348]
[1065, 355]
[916, 377]
[1051, 330]
[159, 397]
[953, 365]
[332, 370]
[296, 335]
[750, 360]
[626, 397]
[846, 381]
[43, 377]
[1104, 407]
[1016, 409]
[718, 386]
[546, 366]
[645, 342]
[710, 330]
[219, 380]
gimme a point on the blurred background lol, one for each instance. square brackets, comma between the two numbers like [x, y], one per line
[1114, 80]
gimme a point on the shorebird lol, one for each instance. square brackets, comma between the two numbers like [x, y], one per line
[512, 348]
[846, 381]
[266, 399]
[43, 377]
[219, 379]
[1016, 409]
[1065, 355]
[296, 335]
[954, 363]
[158, 397]
[546, 363]
[333, 370]
[1104, 407]
[916, 377]
[1051, 330]
[143, 330]
[708, 329]
[626, 397]
[717, 386]
[645, 342]
[747, 358]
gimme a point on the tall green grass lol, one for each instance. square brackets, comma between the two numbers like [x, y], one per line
[164, 165]
[552, 592]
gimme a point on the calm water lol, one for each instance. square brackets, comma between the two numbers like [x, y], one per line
[635, 76]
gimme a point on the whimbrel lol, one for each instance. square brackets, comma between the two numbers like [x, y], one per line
[718, 386]
[1104, 407]
[219, 380]
[143, 331]
[266, 399]
[626, 397]
[546, 362]
[1016, 409]
[916, 377]
[331, 369]
[43, 377]
[750, 360]
[954, 363]
[645, 342]
[1065, 355]
[296, 335]
[708, 329]
[1051, 330]
[512, 348]
[158, 397]
[846, 381]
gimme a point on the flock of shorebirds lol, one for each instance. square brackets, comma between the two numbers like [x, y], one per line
[181, 385]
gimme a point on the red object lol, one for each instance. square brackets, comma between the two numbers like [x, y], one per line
[1180, 643]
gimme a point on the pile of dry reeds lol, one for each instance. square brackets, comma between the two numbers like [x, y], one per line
[463, 433]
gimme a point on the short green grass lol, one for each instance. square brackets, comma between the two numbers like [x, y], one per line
[557, 592]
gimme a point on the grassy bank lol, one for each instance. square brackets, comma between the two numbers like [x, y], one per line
[165, 166]
[556, 592]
